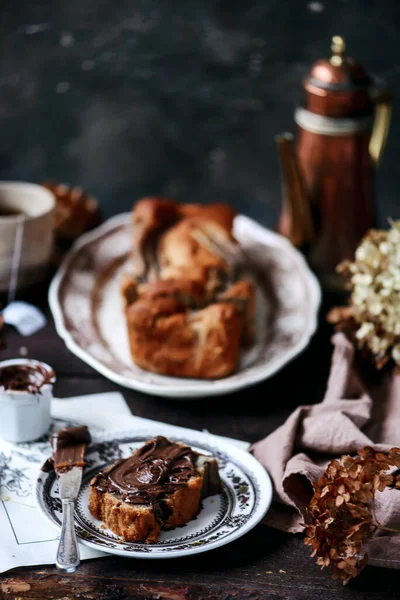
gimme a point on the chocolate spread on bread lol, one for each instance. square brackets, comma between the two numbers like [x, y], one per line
[69, 447]
[159, 467]
[160, 486]
[25, 378]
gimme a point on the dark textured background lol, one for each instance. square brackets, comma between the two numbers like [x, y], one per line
[179, 97]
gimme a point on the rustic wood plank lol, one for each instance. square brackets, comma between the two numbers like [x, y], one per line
[264, 564]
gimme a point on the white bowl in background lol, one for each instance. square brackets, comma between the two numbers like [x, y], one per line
[26, 209]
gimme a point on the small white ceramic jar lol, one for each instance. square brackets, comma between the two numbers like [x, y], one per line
[24, 415]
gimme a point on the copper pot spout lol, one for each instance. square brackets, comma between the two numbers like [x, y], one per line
[295, 221]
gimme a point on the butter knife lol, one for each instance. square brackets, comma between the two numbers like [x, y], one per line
[68, 551]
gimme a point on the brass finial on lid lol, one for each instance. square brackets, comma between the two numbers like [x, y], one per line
[338, 47]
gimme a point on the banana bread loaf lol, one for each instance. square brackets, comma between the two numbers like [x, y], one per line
[188, 307]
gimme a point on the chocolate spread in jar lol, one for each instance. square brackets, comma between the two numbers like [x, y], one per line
[159, 467]
[69, 447]
[25, 378]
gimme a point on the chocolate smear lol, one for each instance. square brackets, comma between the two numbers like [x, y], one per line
[69, 448]
[158, 468]
[25, 378]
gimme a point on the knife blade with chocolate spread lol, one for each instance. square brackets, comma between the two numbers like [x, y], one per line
[69, 447]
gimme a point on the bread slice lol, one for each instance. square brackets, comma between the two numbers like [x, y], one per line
[160, 486]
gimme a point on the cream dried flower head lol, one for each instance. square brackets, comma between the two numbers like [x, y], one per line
[373, 278]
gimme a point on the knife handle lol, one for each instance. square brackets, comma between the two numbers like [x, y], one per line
[68, 552]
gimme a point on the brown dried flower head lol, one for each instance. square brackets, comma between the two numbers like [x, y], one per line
[341, 512]
[373, 316]
[76, 211]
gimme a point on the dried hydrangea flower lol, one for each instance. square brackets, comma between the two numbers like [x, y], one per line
[341, 512]
[372, 319]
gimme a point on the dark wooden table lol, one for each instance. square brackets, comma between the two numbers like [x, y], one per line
[265, 563]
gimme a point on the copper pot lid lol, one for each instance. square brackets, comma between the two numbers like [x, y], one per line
[338, 86]
[339, 73]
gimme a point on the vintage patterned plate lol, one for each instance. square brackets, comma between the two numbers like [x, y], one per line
[88, 311]
[223, 518]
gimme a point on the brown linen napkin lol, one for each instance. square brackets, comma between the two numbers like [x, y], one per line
[352, 415]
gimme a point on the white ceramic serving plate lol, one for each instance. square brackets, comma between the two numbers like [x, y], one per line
[246, 497]
[87, 307]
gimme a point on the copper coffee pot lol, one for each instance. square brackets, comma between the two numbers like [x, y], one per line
[328, 170]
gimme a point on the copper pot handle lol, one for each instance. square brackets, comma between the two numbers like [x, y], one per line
[380, 130]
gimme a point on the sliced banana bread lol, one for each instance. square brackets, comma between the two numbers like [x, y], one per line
[159, 486]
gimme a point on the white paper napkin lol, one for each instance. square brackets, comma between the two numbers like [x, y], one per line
[26, 537]
[26, 318]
